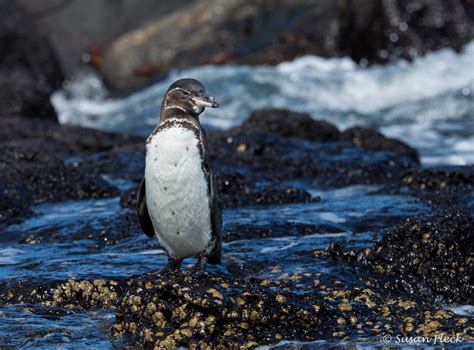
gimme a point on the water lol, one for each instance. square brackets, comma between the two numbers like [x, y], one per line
[37, 327]
[428, 103]
[66, 246]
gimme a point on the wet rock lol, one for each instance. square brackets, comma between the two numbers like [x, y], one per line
[238, 232]
[99, 234]
[372, 140]
[428, 258]
[128, 199]
[43, 162]
[280, 196]
[287, 123]
[236, 192]
[256, 155]
[212, 310]
[35, 166]
[71, 294]
[436, 180]
[442, 188]
[269, 32]
[218, 311]
[28, 66]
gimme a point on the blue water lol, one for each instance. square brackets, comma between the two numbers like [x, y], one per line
[61, 252]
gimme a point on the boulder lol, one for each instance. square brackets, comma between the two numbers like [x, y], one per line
[291, 124]
[269, 32]
[29, 70]
[372, 140]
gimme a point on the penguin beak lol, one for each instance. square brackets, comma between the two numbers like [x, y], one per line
[205, 101]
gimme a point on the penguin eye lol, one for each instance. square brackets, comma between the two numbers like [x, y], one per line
[186, 93]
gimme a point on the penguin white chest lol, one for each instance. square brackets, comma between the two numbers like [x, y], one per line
[177, 192]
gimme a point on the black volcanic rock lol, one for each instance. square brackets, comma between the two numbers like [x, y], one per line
[37, 163]
[429, 258]
[287, 123]
[176, 310]
[372, 140]
[29, 70]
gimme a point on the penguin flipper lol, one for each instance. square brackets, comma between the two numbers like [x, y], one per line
[143, 215]
[216, 217]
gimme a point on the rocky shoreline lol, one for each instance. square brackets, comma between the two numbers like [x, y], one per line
[223, 312]
[423, 263]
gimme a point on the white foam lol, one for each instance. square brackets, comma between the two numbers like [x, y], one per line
[464, 310]
[9, 256]
[418, 102]
[332, 217]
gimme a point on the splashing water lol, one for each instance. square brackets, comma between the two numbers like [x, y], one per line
[427, 103]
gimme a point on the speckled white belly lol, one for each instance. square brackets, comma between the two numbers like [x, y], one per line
[177, 192]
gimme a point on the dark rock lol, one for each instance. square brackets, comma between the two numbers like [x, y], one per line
[382, 31]
[236, 192]
[218, 311]
[431, 259]
[232, 185]
[435, 180]
[128, 199]
[287, 123]
[372, 140]
[28, 66]
[280, 196]
[239, 232]
[71, 294]
[181, 311]
[34, 166]
[257, 155]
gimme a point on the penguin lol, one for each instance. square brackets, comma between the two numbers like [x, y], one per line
[178, 200]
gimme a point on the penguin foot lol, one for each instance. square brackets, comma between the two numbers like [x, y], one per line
[199, 268]
[172, 266]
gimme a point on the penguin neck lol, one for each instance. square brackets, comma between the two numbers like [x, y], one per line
[177, 112]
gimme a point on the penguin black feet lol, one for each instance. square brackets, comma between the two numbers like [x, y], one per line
[198, 269]
[172, 266]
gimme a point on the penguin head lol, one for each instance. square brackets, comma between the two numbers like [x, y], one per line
[189, 96]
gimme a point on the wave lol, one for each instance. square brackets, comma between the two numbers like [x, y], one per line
[428, 102]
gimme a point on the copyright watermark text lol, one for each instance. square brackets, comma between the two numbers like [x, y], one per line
[435, 340]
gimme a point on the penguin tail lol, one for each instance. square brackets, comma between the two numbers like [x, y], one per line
[214, 256]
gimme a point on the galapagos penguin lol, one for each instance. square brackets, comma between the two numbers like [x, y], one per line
[178, 201]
